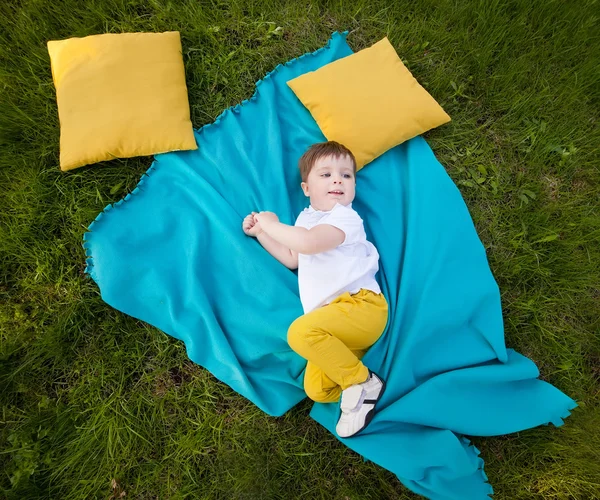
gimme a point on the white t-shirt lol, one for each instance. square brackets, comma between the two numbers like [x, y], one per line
[347, 268]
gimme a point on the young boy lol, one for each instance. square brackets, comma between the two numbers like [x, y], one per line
[344, 310]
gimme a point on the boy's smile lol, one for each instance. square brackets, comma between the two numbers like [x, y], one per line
[330, 181]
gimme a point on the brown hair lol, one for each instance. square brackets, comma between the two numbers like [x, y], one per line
[321, 150]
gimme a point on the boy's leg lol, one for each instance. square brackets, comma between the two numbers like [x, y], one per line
[319, 387]
[327, 336]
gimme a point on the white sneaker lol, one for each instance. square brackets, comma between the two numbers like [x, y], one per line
[358, 405]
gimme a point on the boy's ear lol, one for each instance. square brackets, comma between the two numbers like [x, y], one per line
[304, 187]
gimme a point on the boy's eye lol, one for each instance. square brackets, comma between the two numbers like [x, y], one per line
[347, 176]
[325, 175]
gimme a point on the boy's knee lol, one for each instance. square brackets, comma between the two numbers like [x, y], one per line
[320, 395]
[314, 393]
[295, 335]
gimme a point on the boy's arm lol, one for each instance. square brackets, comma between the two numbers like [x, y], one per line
[287, 257]
[299, 239]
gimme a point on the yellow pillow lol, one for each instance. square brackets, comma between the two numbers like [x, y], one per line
[368, 101]
[120, 95]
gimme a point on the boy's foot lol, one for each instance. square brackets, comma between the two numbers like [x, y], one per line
[358, 405]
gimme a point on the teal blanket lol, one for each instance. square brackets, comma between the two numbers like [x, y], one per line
[173, 254]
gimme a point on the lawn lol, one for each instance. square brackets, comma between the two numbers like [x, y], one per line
[96, 404]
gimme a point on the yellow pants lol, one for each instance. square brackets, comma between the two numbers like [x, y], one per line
[334, 338]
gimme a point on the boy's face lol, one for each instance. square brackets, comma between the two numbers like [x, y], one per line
[330, 181]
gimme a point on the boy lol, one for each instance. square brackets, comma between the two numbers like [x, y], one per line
[344, 310]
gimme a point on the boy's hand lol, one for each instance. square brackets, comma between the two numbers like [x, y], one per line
[251, 226]
[266, 218]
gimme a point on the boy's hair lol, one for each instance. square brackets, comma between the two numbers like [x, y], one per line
[320, 150]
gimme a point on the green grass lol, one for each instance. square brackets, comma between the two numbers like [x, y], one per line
[90, 395]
